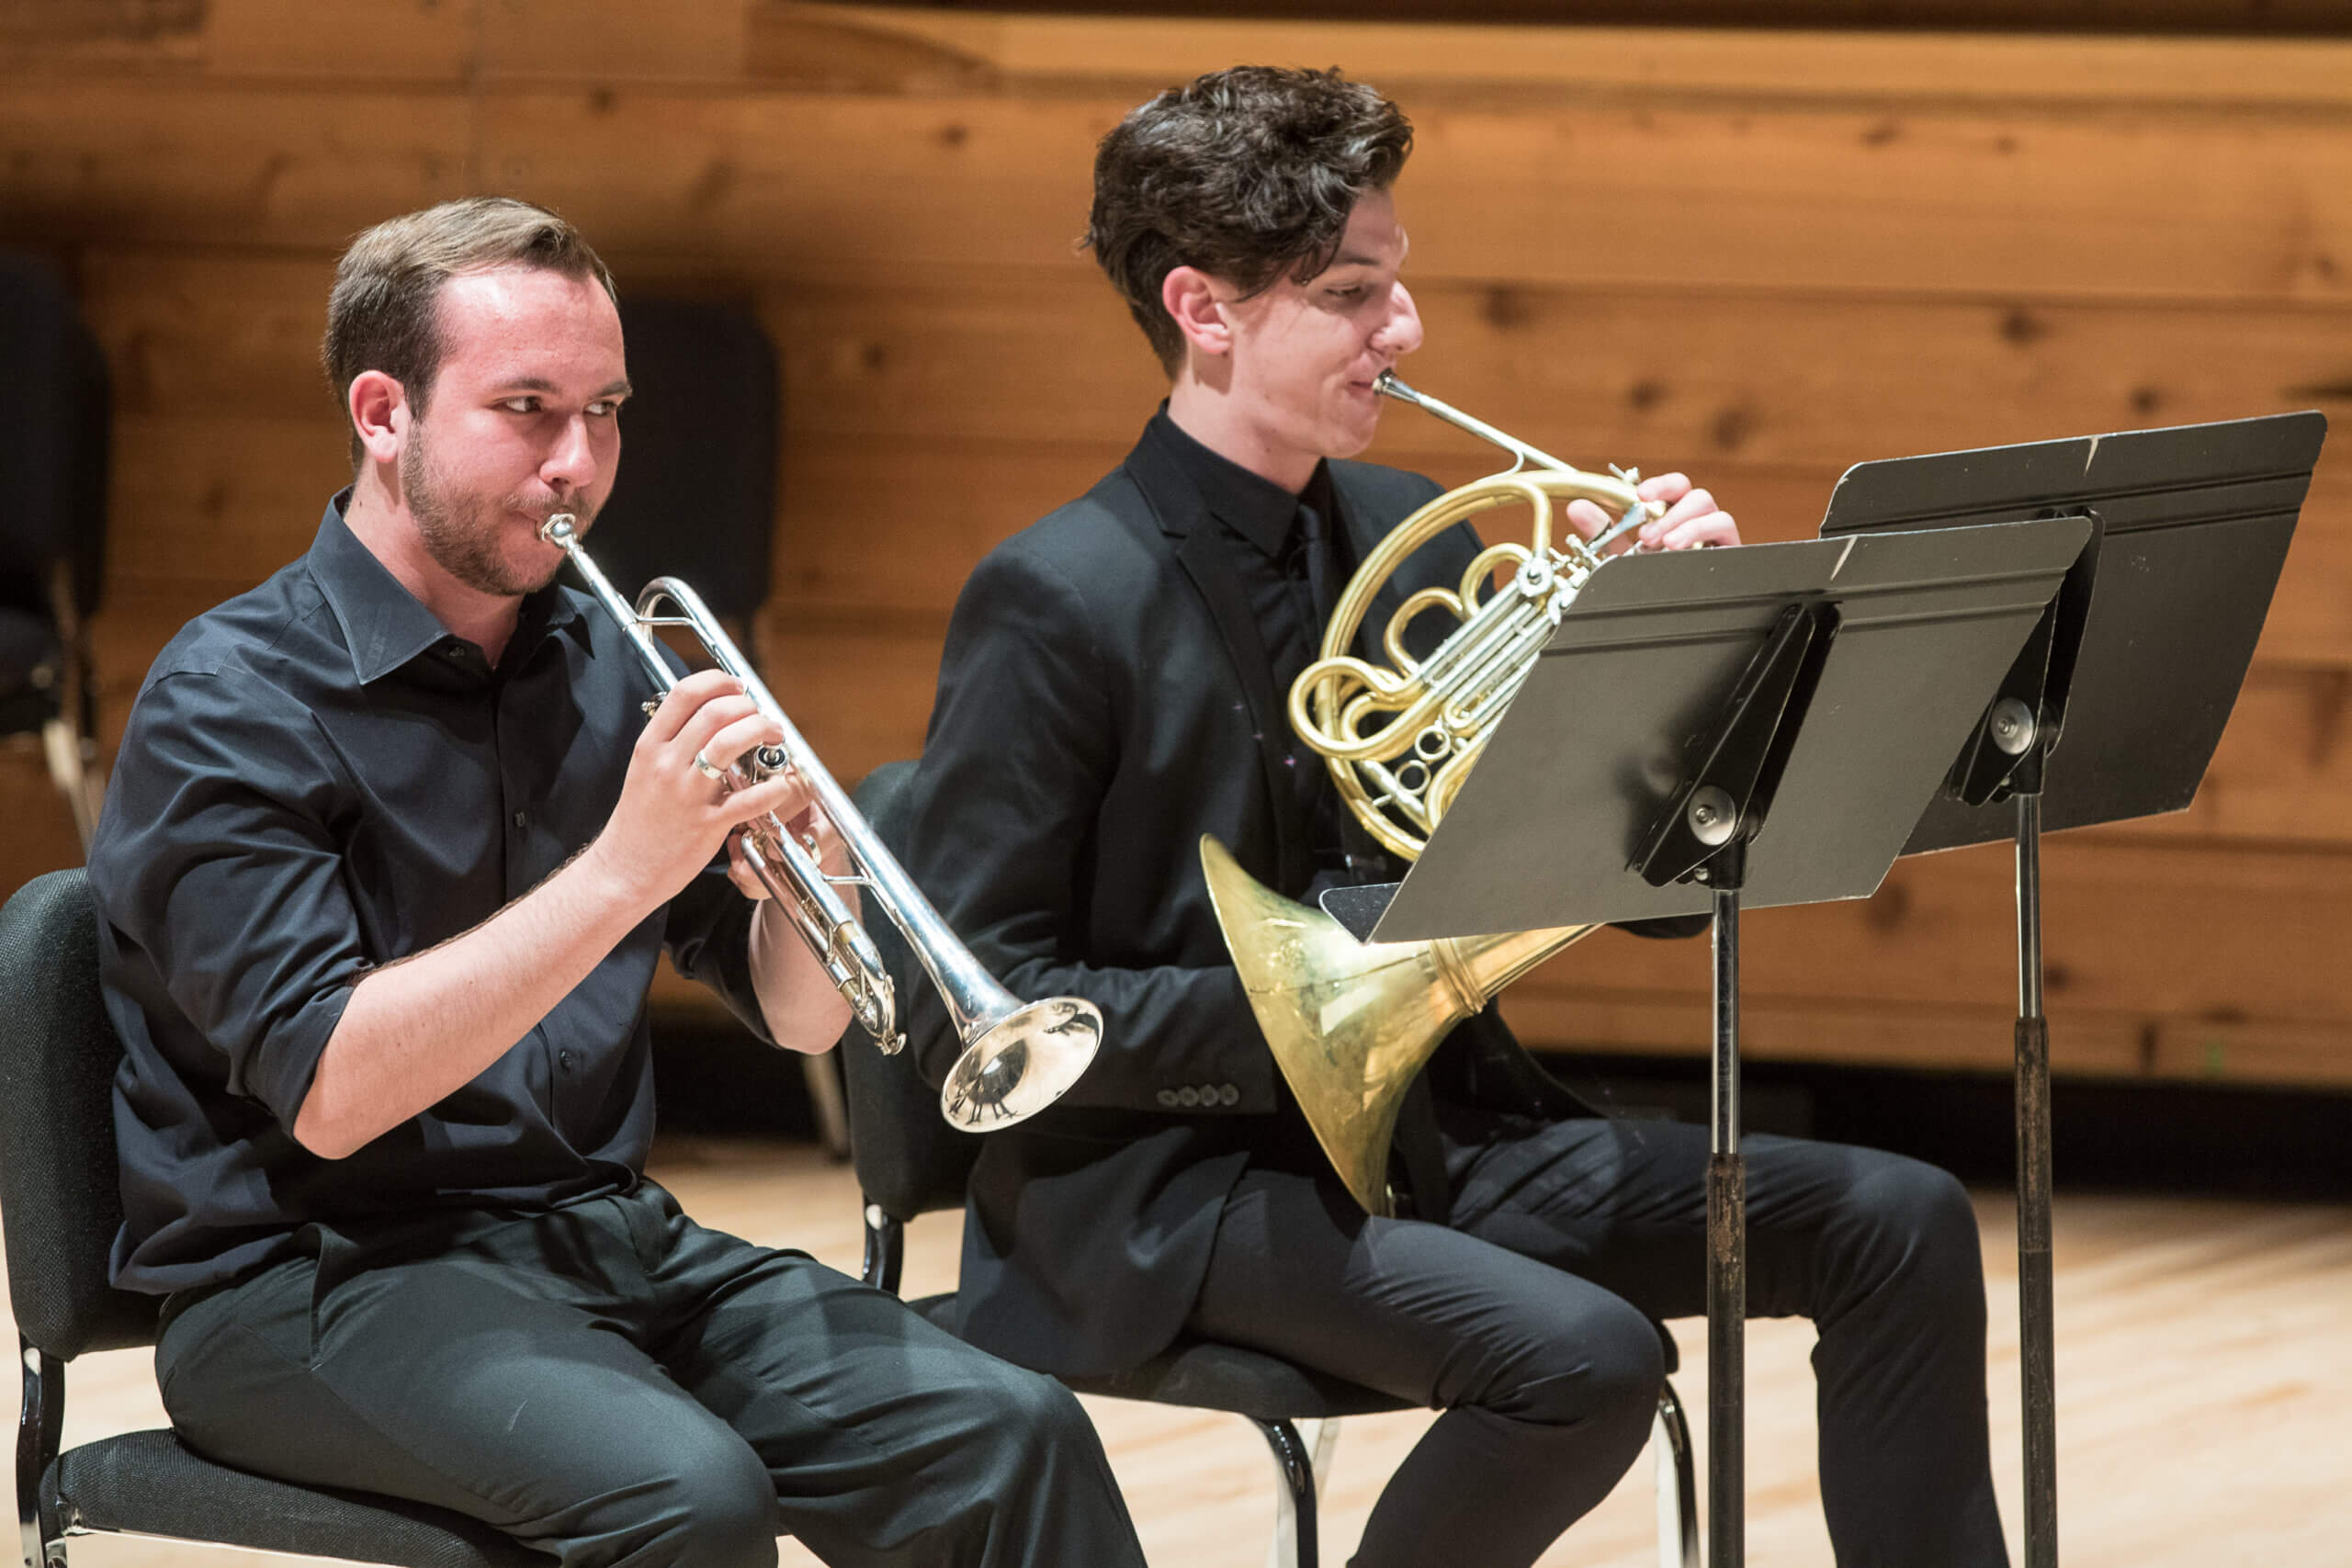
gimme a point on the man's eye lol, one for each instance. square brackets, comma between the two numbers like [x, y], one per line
[520, 405]
[603, 408]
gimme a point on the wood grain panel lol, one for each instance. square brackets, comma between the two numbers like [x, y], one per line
[1817, 379]
[180, 163]
[231, 332]
[1638, 64]
[2133, 927]
[906, 49]
[2279, 16]
[897, 527]
[2136, 204]
[218, 501]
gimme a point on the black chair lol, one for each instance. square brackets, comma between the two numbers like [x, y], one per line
[62, 1205]
[910, 1162]
[55, 425]
[695, 500]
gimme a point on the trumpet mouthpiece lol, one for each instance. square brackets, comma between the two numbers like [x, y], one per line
[1388, 385]
[559, 528]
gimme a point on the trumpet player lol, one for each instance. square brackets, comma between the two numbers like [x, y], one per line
[1113, 688]
[389, 855]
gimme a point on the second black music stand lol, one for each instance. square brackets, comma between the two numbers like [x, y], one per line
[1706, 727]
[2138, 662]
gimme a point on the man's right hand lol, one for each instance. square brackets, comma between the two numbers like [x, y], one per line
[672, 818]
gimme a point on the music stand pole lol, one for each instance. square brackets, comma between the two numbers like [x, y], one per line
[2037, 1343]
[1727, 1243]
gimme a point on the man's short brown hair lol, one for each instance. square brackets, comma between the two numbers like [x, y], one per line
[383, 315]
[1246, 174]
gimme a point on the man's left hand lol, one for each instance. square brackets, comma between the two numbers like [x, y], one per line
[1692, 518]
[829, 852]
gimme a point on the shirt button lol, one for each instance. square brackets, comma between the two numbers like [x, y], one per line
[563, 1060]
[1166, 1097]
[1188, 1096]
[521, 818]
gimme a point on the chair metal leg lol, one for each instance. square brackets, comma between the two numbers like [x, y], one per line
[39, 1428]
[822, 1074]
[76, 777]
[885, 1250]
[1295, 1505]
[1320, 1438]
[1678, 1487]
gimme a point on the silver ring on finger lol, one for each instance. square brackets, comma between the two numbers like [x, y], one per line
[704, 764]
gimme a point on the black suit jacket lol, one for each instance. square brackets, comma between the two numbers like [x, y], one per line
[1104, 699]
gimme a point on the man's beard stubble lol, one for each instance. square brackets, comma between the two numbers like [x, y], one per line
[460, 530]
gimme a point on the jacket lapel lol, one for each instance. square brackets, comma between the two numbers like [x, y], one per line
[1175, 502]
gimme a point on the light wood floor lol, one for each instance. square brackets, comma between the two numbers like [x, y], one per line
[2204, 1360]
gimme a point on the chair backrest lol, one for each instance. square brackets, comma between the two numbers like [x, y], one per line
[909, 1159]
[59, 1195]
[694, 497]
[54, 423]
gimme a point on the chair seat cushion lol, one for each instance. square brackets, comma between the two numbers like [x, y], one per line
[1209, 1376]
[146, 1484]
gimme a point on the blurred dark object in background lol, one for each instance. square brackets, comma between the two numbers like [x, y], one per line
[54, 427]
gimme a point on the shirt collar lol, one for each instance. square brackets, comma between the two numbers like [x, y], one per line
[1251, 504]
[383, 624]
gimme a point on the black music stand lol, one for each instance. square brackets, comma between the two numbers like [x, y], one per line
[2138, 659]
[1708, 727]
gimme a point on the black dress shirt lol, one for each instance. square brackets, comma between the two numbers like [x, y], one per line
[1272, 551]
[318, 779]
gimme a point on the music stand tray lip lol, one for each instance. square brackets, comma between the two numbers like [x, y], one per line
[1941, 489]
[2160, 630]
[1547, 828]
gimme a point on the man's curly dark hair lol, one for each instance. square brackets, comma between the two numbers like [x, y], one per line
[1246, 174]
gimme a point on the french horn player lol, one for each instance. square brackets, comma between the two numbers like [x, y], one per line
[1117, 684]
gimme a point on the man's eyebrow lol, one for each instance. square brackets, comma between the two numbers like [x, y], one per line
[1365, 258]
[620, 388]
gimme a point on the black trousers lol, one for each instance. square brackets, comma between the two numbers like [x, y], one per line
[1525, 1316]
[615, 1384]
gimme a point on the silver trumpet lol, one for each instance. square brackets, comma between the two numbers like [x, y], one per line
[1018, 1057]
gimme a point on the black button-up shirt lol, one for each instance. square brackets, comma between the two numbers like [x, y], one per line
[318, 779]
[1261, 528]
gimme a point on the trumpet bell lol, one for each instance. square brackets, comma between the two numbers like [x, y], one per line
[1350, 1023]
[1020, 1064]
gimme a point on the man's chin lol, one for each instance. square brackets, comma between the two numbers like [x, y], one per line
[1351, 437]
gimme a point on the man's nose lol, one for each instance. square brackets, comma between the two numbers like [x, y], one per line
[571, 463]
[1401, 333]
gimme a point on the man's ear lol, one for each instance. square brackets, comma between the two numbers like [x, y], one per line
[379, 414]
[1191, 299]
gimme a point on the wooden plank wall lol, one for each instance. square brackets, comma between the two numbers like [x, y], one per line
[1757, 256]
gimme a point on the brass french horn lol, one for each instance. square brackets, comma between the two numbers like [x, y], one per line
[1351, 1022]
